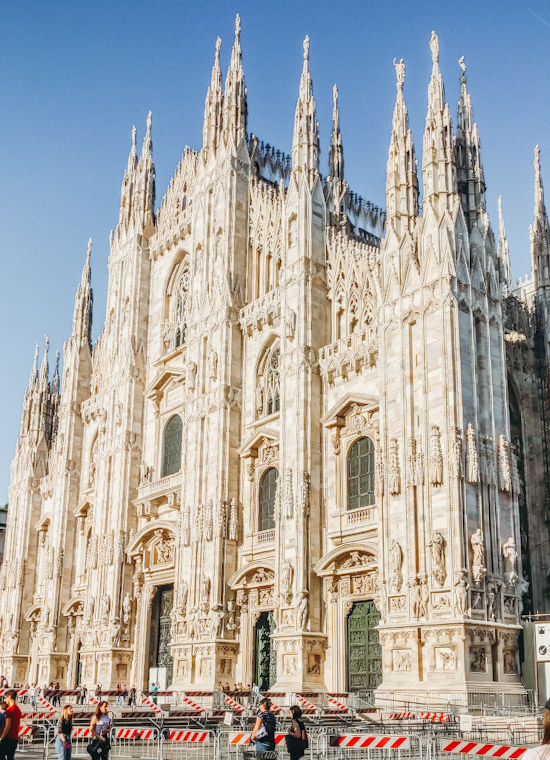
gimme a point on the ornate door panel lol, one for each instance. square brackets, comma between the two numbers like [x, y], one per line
[265, 659]
[364, 651]
[164, 654]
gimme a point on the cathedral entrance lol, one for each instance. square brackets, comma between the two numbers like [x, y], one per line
[364, 650]
[265, 658]
[160, 655]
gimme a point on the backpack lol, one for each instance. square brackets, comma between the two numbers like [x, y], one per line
[292, 743]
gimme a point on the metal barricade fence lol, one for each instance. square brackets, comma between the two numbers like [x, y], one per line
[143, 743]
[363, 746]
[185, 744]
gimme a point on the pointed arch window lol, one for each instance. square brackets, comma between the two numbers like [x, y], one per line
[268, 492]
[361, 470]
[268, 384]
[171, 447]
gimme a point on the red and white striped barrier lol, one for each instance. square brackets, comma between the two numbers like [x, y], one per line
[134, 733]
[46, 704]
[245, 738]
[19, 692]
[151, 705]
[400, 716]
[192, 705]
[26, 730]
[35, 715]
[306, 703]
[232, 703]
[334, 702]
[435, 717]
[93, 700]
[194, 737]
[485, 750]
[373, 742]
[81, 733]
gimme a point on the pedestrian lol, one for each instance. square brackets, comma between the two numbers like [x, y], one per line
[63, 744]
[296, 739]
[3, 705]
[100, 725]
[263, 732]
[542, 752]
[56, 696]
[132, 696]
[118, 697]
[154, 689]
[10, 730]
[33, 695]
[98, 690]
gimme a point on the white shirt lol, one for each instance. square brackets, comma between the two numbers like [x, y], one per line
[537, 753]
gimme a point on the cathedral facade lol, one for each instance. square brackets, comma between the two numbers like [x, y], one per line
[308, 449]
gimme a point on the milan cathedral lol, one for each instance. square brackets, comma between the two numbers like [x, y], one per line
[309, 448]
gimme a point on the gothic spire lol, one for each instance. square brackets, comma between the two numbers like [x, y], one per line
[503, 252]
[146, 179]
[437, 155]
[34, 369]
[467, 149]
[82, 315]
[401, 176]
[132, 156]
[539, 232]
[127, 191]
[55, 380]
[147, 149]
[44, 367]
[336, 151]
[213, 106]
[305, 138]
[235, 107]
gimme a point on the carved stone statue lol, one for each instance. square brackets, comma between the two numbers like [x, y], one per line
[287, 577]
[105, 609]
[472, 460]
[437, 549]
[302, 611]
[455, 453]
[289, 495]
[205, 588]
[510, 562]
[424, 598]
[394, 473]
[259, 398]
[126, 609]
[191, 375]
[461, 594]
[436, 457]
[416, 597]
[478, 549]
[290, 324]
[396, 562]
[213, 365]
[504, 470]
[233, 520]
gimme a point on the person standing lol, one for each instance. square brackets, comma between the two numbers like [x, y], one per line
[542, 752]
[10, 731]
[100, 726]
[263, 732]
[296, 739]
[63, 740]
[132, 696]
[33, 695]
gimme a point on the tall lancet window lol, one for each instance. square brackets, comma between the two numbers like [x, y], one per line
[180, 315]
[361, 474]
[268, 384]
[171, 449]
[268, 492]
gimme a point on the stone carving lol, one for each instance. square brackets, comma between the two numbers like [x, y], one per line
[302, 611]
[472, 461]
[510, 662]
[402, 660]
[445, 658]
[437, 550]
[461, 594]
[493, 589]
[455, 453]
[287, 576]
[394, 474]
[208, 521]
[396, 563]
[290, 666]
[126, 609]
[219, 519]
[510, 562]
[436, 457]
[259, 396]
[230, 625]
[191, 375]
[419, 464]
[305, 493]
[516, 485]
[105, 609]
[416, 597]
[213, 365]
[424, 598]
[233, 520]
[478, 562]
[288, 495]
[478, 660]
[186, 526]
[490, 472]
[290, 324]
[504, 470]
[314, 664]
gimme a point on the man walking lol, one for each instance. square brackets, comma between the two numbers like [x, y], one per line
[10, 731]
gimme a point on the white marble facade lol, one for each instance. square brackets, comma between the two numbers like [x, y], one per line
[265, 319]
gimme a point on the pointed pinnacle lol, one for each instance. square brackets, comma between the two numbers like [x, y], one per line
[134, 138]
[306, 49]
[335, 109]
[237, 26]
[399, 73]
[462, 65]
[34, 369]
[218, 46]
[89, 251]
[539, 193]
[149, 120]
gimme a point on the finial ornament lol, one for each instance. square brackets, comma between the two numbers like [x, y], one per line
[237, 25]
[399, 73]
[335, 95]
[134, 136]
[306, 48]
[462, 64]
[57, 355]
[434, 45]
[36, 351]
[149, 119]
[218, 46]
[536, 161]
[89, 247]
[46, 344]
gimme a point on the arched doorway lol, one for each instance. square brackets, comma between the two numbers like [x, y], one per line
[364, 650]
[265, 659]
[160, 655]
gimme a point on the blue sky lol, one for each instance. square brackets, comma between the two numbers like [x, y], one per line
[76, 76]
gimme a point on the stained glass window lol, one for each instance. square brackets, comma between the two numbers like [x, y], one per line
[268, 490]
[361, 474]
[171, 453]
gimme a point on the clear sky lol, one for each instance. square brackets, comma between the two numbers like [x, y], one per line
[75, 76]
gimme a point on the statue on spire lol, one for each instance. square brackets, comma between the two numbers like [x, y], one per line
[434, 45]
[399, 73]
[237, 26]
[462, 64]
[306, 48]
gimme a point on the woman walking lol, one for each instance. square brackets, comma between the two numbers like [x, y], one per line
[542, 752]
[100, 725]
[263, 732]
[296, 739]
[63, 743]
